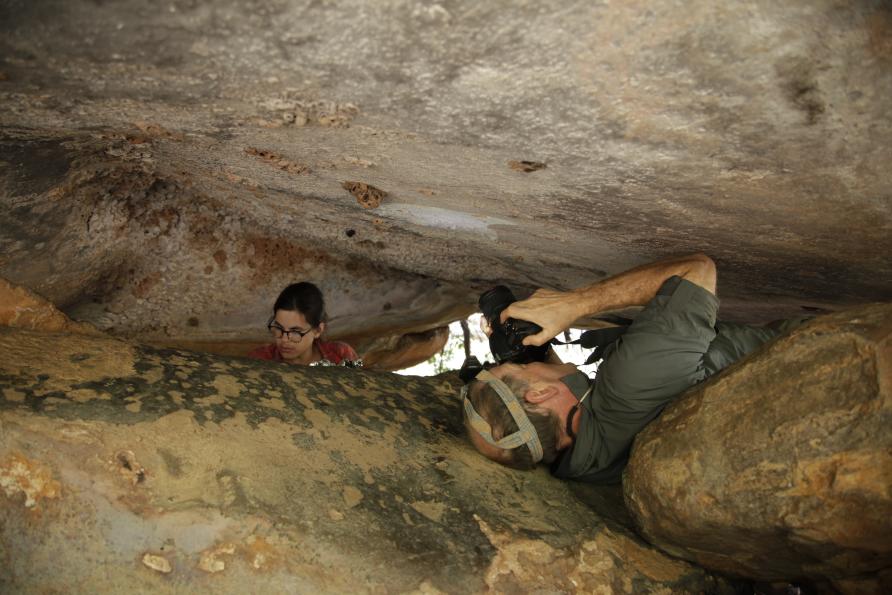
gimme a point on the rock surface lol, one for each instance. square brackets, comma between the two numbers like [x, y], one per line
[125, 468]
[406, 350]
[780, 467]
[20, 308]
[165, 169]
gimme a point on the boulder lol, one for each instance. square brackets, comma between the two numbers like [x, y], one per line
[780, 467]
[130, 468]
[22, 308]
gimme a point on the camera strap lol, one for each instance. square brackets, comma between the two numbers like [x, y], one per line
[574, 409]
[525, 434]
[599, 339]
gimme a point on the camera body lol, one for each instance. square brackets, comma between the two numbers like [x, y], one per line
[506, 339]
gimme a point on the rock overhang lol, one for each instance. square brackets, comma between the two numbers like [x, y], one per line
[167, 169]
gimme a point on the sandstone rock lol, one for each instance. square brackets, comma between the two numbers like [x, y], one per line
[23, 309]
[781, 467]
[168, 471]
[139, 146]
[406, 350]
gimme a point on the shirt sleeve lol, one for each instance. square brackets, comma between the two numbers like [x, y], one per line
[662, 352]
[265, 352]
[660, 356]
[336, 352]
[348, 353]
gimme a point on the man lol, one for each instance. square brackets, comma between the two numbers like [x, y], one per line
[520, 414]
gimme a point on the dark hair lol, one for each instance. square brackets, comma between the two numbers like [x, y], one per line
[303, 297]
[489, 406]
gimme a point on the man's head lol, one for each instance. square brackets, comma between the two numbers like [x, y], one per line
[544, 399]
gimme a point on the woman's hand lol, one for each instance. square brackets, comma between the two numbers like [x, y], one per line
[553, 310]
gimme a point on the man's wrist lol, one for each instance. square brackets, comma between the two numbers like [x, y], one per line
[580, 303]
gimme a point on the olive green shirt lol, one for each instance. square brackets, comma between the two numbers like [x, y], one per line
[673, 344]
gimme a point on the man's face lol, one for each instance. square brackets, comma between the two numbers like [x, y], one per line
[534, 374]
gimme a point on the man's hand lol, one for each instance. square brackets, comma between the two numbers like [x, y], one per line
[553, 310]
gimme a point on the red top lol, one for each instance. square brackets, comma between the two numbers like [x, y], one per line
[333, 351]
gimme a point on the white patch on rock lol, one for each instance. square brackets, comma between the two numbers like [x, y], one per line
[157, 563]
[443, 218]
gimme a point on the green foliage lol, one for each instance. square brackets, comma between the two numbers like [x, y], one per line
[453, 353]
[454, 349]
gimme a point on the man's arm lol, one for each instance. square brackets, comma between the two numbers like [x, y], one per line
[555, 311]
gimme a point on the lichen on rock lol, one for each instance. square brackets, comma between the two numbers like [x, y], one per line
[360, 481]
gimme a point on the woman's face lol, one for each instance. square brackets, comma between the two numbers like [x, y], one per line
[294, 348]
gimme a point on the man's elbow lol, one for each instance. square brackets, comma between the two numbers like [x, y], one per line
[704, 262]
[702, 271]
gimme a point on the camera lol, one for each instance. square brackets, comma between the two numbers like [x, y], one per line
[506, 339]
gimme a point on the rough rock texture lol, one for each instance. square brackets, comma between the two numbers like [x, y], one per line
[166, 168]
[781, 467]
[407, 350]
[125, 468]
[20, 308]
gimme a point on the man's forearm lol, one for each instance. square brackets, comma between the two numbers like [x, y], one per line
[555, 311]
[636, 287]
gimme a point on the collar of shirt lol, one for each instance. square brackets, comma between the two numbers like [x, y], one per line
[566, 463]
[578, 383]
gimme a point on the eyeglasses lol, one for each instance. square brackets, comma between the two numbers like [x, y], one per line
[278, 332]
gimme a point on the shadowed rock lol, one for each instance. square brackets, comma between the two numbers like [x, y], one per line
[21, 308]
[405, 351]
[781, 467]
[126, 468]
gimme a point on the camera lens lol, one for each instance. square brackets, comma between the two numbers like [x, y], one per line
[506, 339]
[495, 300]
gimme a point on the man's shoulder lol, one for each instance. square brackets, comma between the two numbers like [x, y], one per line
[680, 309]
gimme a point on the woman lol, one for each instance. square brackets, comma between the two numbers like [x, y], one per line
[297, 324]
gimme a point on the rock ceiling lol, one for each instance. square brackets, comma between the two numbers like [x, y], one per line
[167, 167]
